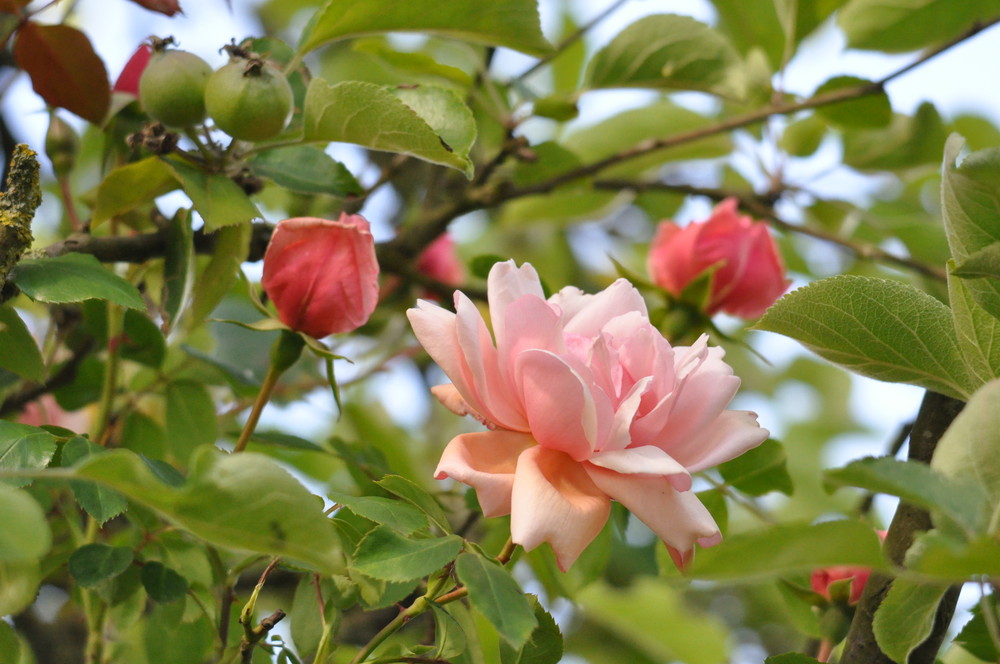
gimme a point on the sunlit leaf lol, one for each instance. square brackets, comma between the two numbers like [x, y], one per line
[896, 26]
[162, 583]
[511, 23]
[220, 201]
[978, 332]
[759, 471]
[669, 51]
[373, 117]
[131, 185]
[882, 329]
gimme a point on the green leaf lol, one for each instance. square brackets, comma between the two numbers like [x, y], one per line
[669, 51]
[495, 593]
[141, 340]
[93, 564]
[660, 120]
[759, 471]
[372, 116]
[385, 555]
[636, 615]
[444, 111]
[789, 548]
[129, 186]
[898, 26]
[100, 502]
[881, 329]
[23, 447]
[803, 137]
[307, 170]
[969, 451]
[307, 614]
[25, 536]
[401, 517]
[10, 645]
[73, 278]
[19, 582]
[544, 646]
[905, 617]
[241, 501]
[232, 244]
[953, 560]
[191, 420]
[416, 496]
[220, 201]
[870, 110]
[975, 636]
[163, 584]
[970, 198]
[511, 23]
[982, 263]
[178, 267]
[909, 142]
[916, 483]
[18, 351]
[976, 330]
[449, 637]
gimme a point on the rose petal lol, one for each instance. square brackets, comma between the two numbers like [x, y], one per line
[559, 406]
[731, 434]
[555, 501]
[646, 460]
[485, 461]
[616, 300]
[677, 518]
[508, 283]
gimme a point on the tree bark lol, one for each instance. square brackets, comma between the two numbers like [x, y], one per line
[936, 414]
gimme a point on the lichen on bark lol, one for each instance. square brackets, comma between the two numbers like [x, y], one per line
[17, 208]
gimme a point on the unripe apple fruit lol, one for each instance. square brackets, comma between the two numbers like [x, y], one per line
[172, 87]
[249, 99]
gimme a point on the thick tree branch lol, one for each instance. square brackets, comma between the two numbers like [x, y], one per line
[936, 413]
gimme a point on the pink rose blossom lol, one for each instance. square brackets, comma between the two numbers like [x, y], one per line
[439, 261]
[750, 276]
[322, 275]
[585, 402]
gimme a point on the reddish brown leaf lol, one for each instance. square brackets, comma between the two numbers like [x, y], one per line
[168, 7]
[12, 6]
[64, 69]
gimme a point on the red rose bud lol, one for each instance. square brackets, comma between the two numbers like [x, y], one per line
[322, 275]
[440, 262]
[128, 80]
[749, 274]
[822, 579]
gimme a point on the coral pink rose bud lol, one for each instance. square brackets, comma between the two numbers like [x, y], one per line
[439, 261]
[584, 402]
[322, 275]
[749, 276]
[128, 80]
[822, 578]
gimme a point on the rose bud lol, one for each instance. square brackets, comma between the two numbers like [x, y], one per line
[822, 579]
[440, 262]
[322, 275]
[749, 274]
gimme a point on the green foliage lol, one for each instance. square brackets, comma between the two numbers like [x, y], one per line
[18, 350]
[26, 536]
[905, 618]
[895, 27]
[881, 329]
[93, 564]
[24, 447]
[497, 596]
[668, 51]
[73, 278]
